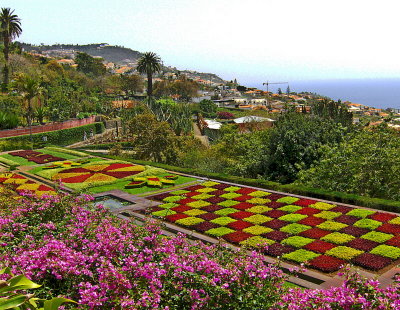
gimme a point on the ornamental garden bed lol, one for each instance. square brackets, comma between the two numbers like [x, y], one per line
[324, 236]
[20, 184]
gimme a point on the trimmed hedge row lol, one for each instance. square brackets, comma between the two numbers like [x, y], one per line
[374, 203]
[57, 137]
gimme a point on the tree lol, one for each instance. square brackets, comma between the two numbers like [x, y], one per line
[10, 27]
[288, 90]
[335, 111]
[366, 163]
[279, 91]
[208, 108]
[149, 64]
[90, 65]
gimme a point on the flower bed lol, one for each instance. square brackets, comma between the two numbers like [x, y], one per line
[299, 230]
[35, 156]
[20, 184]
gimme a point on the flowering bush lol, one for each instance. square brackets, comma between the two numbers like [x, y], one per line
[225, 115]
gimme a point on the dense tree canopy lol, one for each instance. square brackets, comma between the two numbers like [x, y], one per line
[90, 65]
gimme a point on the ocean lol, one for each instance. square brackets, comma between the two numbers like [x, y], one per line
[377, 93]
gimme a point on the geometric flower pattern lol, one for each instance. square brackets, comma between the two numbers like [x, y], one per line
[322, 235]
[21, 184]
[35, 156]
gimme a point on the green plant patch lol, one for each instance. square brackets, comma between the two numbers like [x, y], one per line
[61, 153]
[163, 213]
[297, 241]
[259, 209]
[257, 219]
[288, 200]
[168, 205]
[377, 236]
[257, 230]
[210, 184]
[231, 189]
[258, 201]
[322, 206]
[202, 196]
[198, 204]
[205, 190]
[230, 195]
[194, 212]
[225, 211]
[189, 221]
[180, 192]
[331, 225]
[223, 220]
[368, 223]
[343, 252]
[257, 241]
[228, 203]
[396, 221]
[290, 208]
[19, 160]
[300, 256]
[66, 151]
[259, 194]
[360, 213]
[8, 162]
[328, 215]
[387, 251]
[173, 198]
[294, 228]
[338, 238]
[292, 217]
[219, 231]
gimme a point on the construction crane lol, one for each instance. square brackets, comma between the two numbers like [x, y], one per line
[267, 83]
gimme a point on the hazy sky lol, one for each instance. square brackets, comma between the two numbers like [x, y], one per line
[253, 40]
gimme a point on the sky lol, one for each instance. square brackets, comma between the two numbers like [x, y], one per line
[254, 40]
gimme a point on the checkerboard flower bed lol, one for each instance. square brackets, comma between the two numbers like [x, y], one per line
[323, 234]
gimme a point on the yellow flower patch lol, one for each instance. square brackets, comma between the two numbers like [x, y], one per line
[99, 177]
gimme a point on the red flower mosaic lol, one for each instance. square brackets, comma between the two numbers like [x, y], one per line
[308, 211]
[311, 221]
[372, 261]
[278, 249]
[382, 217]
[275, 213]
[315, 233]
[304, 202]
[389, 228]
[237, 236]
[240, 215]
[175, 217]
[36, 157]
[326, 263]
[395, 241]
[277, 235]
[319, 246]
[346, 219]
[354, 231]
[275, 224]
[239, 225]
[362, 244]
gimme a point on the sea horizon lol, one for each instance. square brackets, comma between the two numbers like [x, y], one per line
[380, 93]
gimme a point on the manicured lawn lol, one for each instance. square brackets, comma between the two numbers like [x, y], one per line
[138, 190]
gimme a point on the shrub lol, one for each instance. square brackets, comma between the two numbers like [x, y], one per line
[387, 251]
[225, 115]
[377, 236]
[297, 241]
[292, 217]
[300, 256]
[338, 238]
[367, 223]
[330, 225]
[294, 228]
[344, 252]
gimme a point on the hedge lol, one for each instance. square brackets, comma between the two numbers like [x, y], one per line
[339, 197]
[58, 137]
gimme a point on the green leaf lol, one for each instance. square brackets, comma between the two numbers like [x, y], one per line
[6, 270]
[22, 283]
[13, 302]
[55, 302]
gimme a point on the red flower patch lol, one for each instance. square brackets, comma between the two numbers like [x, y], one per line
[276, 235]
[193, 188]
[77, 170]
[308, 211]
[326, 263]
[354, 231]
[204, 226]
[347, 219]
[275, 224]
[304, 202]
[382, 216]
[181, 208]
[372, 261]
[211, 208]
[77, 179]
[314, 233]
[341, 209]
[174, 217]
[274, 204]
[44, 188]
[222, 186]
[275, 213]
[389, 228]
[237, 236]
[185, 201]
[215, 200]
[243, 198]
[119, 174]
[395, 241]
[245, 190]
[159, 197]
[319, 246]
[239, 225]
[243, 206]
[218, 192]
[362, 244]
[275, 197]
[117, 166]
[208, 216]
[191, 194]
[278, 249]
[311, 221]
[240, 215]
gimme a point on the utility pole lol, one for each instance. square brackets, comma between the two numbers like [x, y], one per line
[267, 83]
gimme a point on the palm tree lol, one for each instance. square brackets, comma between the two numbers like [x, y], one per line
[10, 28]
[149, 64]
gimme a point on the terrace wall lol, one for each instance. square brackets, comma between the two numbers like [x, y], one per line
[47, 127]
